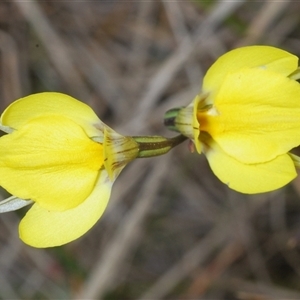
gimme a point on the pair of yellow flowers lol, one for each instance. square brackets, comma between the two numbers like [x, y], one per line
[58, 155]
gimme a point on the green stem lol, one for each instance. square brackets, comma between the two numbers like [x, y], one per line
[150, 146]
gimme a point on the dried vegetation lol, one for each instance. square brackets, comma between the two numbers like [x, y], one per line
[172, 230]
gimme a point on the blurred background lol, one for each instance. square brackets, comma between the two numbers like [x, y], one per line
[172, 230]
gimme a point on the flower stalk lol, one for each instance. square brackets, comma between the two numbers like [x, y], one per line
[150, 146]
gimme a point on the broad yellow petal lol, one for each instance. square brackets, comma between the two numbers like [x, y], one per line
[50, 160]
[256, 115]
[43, 228]
[254, 178]
[265, 57]
[32, 106]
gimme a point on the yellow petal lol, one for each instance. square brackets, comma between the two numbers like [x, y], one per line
[266, 57]
[43, 228]
[50, 160]
[32, 106]
[254, 178]
[256, 115]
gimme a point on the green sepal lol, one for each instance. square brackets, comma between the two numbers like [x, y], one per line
[170, 118]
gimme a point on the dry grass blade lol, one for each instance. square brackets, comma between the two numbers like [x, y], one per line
[192, 258]
[55, 46]
[266, 18]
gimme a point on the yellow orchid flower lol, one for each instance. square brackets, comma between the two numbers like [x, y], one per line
[59, 156]
[247, 118]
